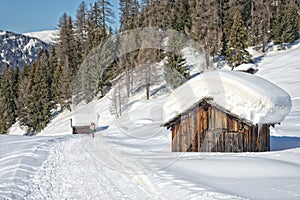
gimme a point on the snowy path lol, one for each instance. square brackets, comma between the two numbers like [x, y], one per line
[78, 170]
[82, 167]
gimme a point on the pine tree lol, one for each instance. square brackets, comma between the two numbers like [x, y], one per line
[158, 16]
[107, 14]
[52, 64]
[206, 26]
[25, 98]
[69, 60]
[64, 34]
[67, 44]
[57, 84]
[41, 97]
[129, 14]
[81, 30]
[286, 24]
[261, 15]
[8, 95]
[34, 102]
[182, 16]
[96, 30]
[237, 43]
[145, 13]
[67, 85]
[175, 67]
[227, 21]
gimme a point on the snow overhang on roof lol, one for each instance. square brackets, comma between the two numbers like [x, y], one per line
[248, 96]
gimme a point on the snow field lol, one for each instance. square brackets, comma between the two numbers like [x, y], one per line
[283, 69]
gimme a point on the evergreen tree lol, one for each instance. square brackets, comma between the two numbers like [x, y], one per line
[52, 64]
[107, 14]
[206, 26]
[81, 30]
[159, 15]
[34, 102]
[129, 14]
[69, 52]
[25, 101]
[286, 24]
[57, 84]
[145, 13]
[96, 30]
[227, 21]
[261, 15]
[66, 85]
[8, 95]
[237, 44]
[175, 67]
[182, 16]
[41, 97]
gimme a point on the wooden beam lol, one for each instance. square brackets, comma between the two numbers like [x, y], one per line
[200, 120]
[193, 131]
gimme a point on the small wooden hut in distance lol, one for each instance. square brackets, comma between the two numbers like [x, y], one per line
[81, 122]
[225, 112]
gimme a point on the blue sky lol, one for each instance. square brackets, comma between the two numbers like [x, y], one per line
[23, 16]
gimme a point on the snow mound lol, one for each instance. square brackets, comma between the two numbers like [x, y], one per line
[248, 96]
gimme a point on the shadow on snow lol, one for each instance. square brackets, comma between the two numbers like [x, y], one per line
[283, 143]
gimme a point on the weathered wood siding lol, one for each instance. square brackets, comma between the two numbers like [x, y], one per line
[209, 129]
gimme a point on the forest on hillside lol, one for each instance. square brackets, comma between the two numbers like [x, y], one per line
[224, 28]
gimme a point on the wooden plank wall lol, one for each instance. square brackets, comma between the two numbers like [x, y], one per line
[209, 129]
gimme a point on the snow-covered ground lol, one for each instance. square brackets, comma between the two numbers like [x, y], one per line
[130, 157]
[283, 69]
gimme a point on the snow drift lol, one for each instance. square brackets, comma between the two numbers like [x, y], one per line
[248, 96]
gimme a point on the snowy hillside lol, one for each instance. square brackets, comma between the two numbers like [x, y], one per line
[49, 37]
[130, 157]
[18, 50]
[283, 69]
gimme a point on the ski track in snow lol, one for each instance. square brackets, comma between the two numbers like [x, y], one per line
[87, 168]
[76, 171]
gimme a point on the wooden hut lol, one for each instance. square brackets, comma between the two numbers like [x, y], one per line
[80, 129]
[81, 122]
[223, 111]
[207, 127]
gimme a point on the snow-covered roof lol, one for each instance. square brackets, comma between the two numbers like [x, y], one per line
[248, 96]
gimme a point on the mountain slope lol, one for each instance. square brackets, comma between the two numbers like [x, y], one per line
[18, 50]
[49, 37]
